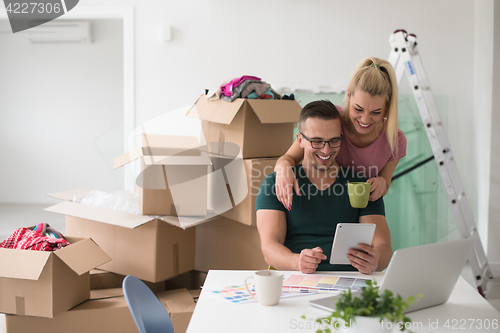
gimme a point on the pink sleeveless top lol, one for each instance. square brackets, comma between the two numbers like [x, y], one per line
[367, 162]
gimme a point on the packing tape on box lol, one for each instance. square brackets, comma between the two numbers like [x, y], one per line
[176, 259]
[20, 307]
[220, 144]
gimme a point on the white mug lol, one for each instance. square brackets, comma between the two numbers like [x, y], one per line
[268, 286]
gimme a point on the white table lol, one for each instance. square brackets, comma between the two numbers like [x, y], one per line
[464, 308]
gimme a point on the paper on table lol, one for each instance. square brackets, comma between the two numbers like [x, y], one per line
[237, 294]
[293, 285]
[323, 283]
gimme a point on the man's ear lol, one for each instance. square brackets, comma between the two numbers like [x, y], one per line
[299, 139]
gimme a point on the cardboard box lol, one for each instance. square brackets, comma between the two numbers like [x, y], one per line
[100, 279]
[151, 248]
[106, 312]
[223, 244]
[261, 128]
[180, 306]
[256, 170]
[173, 179]
[192, 280]
[45, 283]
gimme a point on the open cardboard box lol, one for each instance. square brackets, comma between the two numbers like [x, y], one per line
[170, 185]
[192, 280]
[106, 312]
[100, 279]
[151, 248]
[261, 128]
[173, 178]
[46, 283]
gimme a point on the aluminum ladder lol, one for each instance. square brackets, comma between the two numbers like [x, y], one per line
[405, 59]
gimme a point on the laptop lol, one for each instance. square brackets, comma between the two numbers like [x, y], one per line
[431, 270]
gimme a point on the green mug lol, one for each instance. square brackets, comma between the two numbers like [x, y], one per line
[359, 193]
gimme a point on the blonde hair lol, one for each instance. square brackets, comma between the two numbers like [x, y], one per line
[377, 77]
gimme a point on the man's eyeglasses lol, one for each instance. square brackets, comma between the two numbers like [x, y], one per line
[318, 144]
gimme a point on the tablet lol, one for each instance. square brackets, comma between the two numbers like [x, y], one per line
[348, 236]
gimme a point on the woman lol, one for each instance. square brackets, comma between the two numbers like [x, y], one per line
[372, 143]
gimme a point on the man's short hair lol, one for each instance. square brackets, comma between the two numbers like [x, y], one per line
[318, 109]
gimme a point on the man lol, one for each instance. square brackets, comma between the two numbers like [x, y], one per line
[301, 238]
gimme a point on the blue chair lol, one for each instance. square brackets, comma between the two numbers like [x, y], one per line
[149, 314]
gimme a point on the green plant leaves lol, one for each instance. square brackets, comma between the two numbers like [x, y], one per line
[372, 303]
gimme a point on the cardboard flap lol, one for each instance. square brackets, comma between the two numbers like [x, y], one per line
[154, 152]
[99, 214]
[185, 222]
[276, 111]
[22, 264]
[178, 160]
[68, 195]
[128, 157]
[218, 111]
[169, 141]
[179, 301]
[83, 255]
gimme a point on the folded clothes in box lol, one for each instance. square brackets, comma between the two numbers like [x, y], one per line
[45, 283]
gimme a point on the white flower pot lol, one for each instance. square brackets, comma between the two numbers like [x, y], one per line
[369, 325]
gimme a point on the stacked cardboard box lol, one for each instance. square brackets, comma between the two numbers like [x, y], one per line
[152, 248]
[101, 279]
[171, 167]
[192, 280]
[261, 128]
[45, 283]
[106, 311]
[249, 134]
[198, 212]
[148, 247]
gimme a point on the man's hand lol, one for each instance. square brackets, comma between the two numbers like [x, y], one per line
[309, 259]
[378, 187]
[365, 260]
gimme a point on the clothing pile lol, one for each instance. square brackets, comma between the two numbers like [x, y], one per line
[247, 86]
[41, 237]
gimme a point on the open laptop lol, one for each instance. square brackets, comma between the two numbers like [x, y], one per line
[431, 270]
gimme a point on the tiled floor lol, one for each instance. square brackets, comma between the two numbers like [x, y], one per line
[13, 216]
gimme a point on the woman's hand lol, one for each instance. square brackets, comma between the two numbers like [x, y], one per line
[378, 187]
[286, 183]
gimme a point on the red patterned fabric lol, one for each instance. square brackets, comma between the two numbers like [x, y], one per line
[26, 239]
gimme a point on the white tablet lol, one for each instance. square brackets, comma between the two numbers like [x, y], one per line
[348, 236]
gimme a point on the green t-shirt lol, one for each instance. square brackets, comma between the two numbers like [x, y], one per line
[314, 216]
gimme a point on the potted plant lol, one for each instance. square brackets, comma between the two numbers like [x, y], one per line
[372, 311]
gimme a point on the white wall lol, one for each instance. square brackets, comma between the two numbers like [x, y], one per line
[301, 45]
[483, 79]
[57, 103]
[298, 44]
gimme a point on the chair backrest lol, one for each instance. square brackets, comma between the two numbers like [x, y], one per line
[149, 314]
